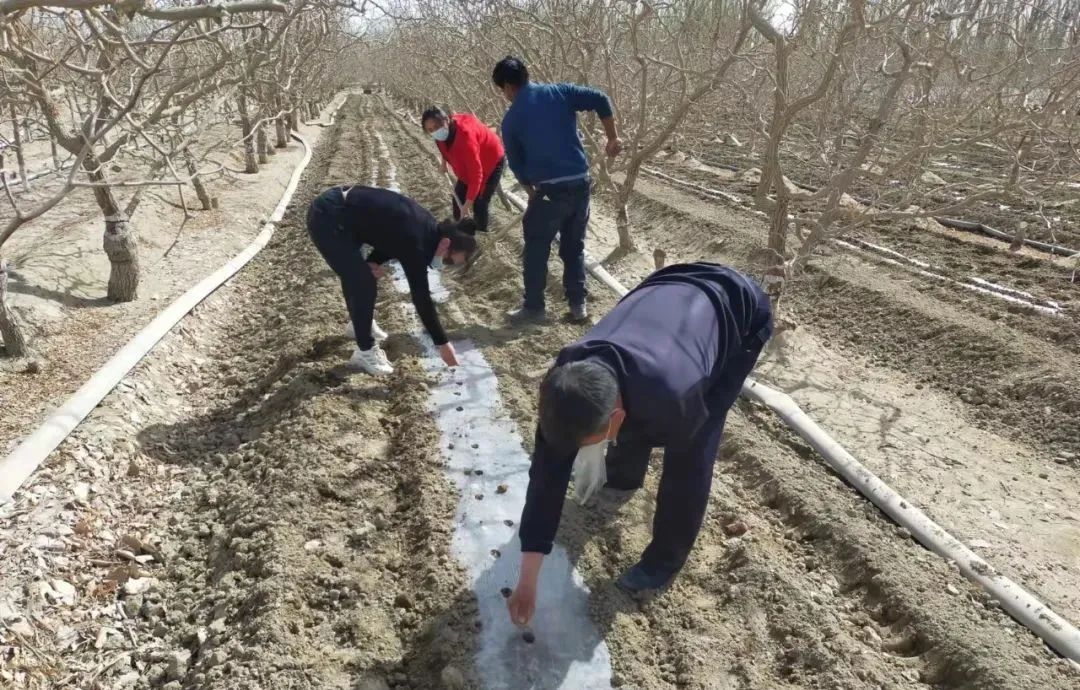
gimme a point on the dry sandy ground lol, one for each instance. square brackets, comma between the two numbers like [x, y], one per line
[242, 512]
[964, 404]
[59, 276]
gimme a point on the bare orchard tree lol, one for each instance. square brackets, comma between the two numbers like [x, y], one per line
[15, 145]
[891, 90]
[10, 331]
[678, 55]
[154, 84]
[136, 72]
[656, 59]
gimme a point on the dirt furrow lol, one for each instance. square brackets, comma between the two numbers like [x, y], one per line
[1007, 364]
[958, 255]
[961, 415]
[822, 592]
[291, 521]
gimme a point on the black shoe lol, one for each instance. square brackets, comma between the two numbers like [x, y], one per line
[615, 485]
[640, 578]
[579, 313]
[525, 315]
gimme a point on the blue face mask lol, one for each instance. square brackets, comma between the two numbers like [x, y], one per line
[441, 134]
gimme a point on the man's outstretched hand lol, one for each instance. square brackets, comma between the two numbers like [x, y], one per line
[448, 355]
[522, 605]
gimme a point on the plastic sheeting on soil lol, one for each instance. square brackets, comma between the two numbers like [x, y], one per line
[484, 452]
[486, 460]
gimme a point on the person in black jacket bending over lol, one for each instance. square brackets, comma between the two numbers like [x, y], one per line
[662, 369]
[357, 229]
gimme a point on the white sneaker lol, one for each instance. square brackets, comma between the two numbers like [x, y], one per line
[371, 361]
[376, 332]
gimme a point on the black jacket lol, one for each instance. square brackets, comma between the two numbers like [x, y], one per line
[397, 227]
[666, 342]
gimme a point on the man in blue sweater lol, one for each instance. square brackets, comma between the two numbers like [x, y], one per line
[662, 369]
[544, 150]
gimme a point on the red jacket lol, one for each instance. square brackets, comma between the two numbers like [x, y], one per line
[473, 153]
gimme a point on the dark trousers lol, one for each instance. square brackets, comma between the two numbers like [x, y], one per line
[686, 478]
[342, 253]
[557, 209]
[482, 203]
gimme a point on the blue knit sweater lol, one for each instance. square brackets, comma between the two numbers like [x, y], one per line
[540, 131]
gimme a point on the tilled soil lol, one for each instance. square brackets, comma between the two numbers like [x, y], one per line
[1051, 215]
[816, 556]
[296, 516]
[245, 512]
[963, 414]
[1012, 365]
[60, 274]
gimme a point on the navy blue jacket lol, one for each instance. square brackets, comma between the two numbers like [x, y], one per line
[667, 342]
[540, 132]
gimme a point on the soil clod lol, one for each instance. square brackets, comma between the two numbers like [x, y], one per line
[736, 529]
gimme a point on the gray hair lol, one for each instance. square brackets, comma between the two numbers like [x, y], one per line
[576, 401]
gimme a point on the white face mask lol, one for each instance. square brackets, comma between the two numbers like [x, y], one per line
[441, 134]
[590, 470]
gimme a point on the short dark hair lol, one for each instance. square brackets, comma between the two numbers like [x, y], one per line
[461, 233]
[576, 401]
[510, 70]
[433, 113]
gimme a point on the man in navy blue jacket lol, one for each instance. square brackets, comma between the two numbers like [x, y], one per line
[544, 150]
[662, 369]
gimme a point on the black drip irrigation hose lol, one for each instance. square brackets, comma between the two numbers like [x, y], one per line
[993, 232]
[955, 223]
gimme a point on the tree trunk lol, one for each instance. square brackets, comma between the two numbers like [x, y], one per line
[774, 269]
[1023, 151]
[280, 125]
[119, 242]
[19, 157]
[251, 165]
[622, 216]
[294, 125]
[55, 153]
[1019, 238]
[123, 255]
[196, 181]
[10, 330]
[73, 111]
[262, 144]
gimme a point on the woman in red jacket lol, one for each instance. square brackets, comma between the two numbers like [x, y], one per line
[476, 156]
